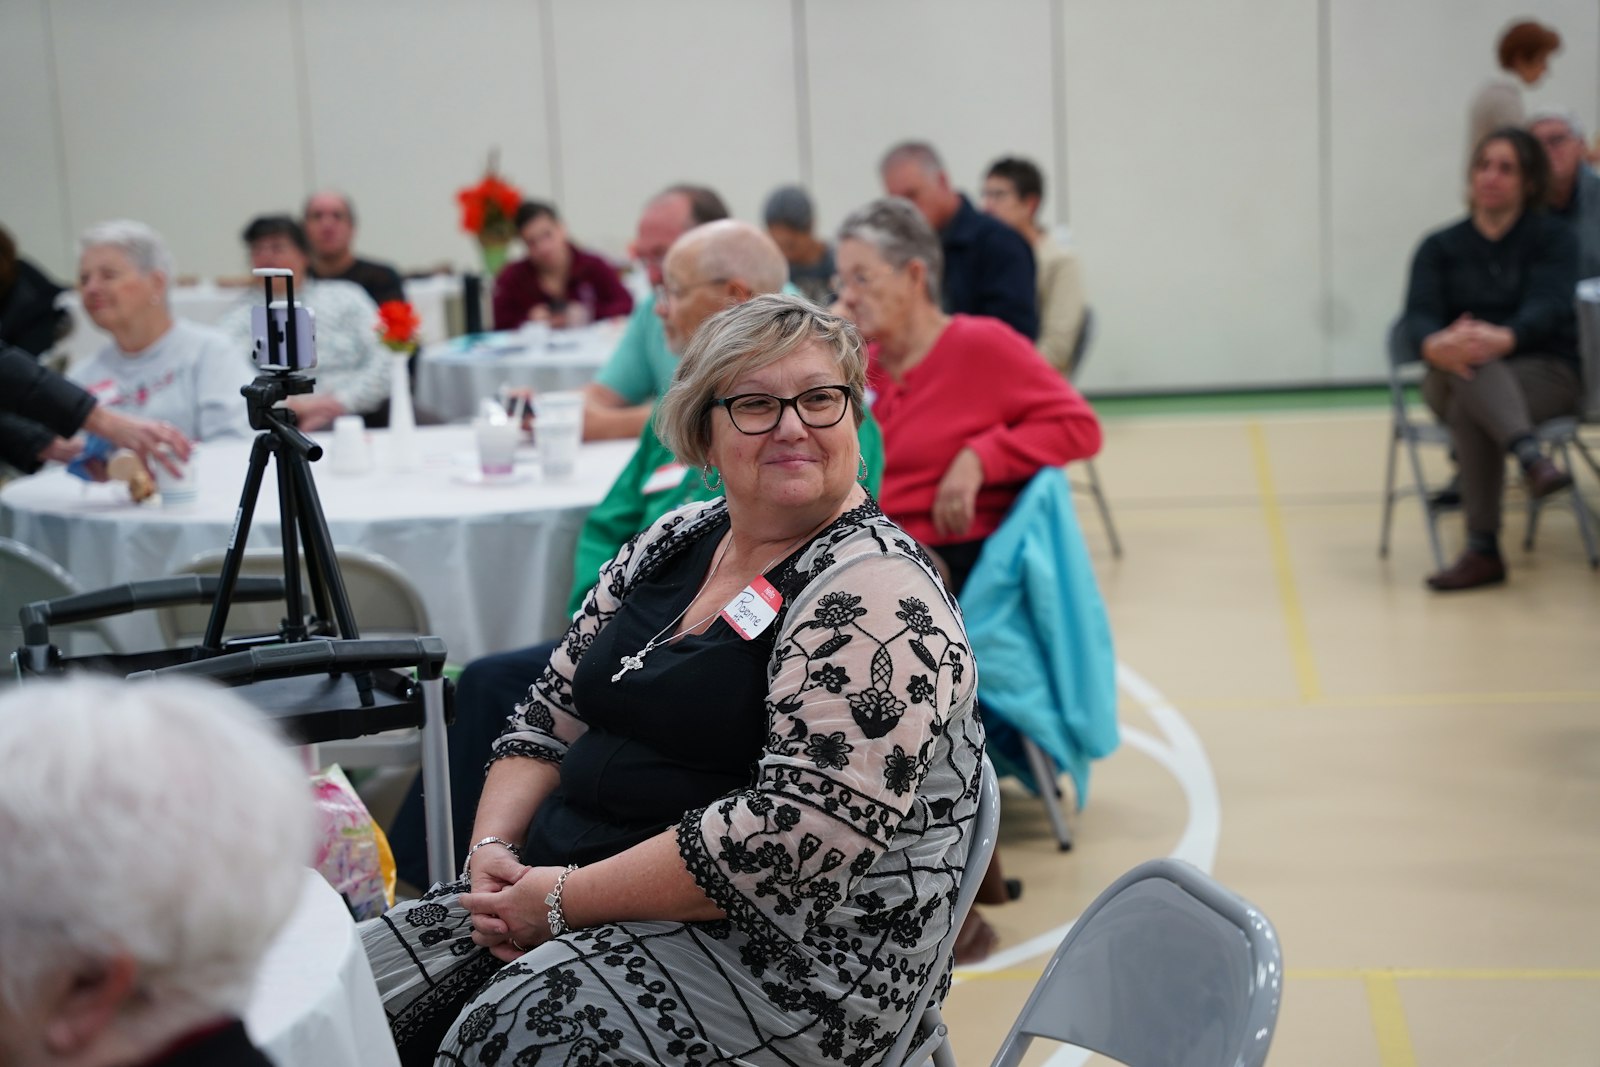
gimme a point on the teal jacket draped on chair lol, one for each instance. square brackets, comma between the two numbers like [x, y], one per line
[1041, 639]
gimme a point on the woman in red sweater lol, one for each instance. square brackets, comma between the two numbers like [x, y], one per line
[969, 409]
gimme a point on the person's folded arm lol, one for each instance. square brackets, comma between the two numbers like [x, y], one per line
[23, 442]
[1551, 276]
[1427, 309]
[39, 394]
[1047, 424]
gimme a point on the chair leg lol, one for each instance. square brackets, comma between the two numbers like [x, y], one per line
[1105, 509]
[1532, 529]
[1388, 496]
[1430, 517]
[1044, 774]
[1581, 510]
[1588, 457]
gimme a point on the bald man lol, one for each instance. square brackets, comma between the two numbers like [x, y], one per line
[709, 268]
[330, 225]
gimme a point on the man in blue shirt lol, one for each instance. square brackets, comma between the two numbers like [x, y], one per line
[988, 266]
[618, 402]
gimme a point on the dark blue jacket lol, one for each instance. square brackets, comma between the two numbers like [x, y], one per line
[988, 270]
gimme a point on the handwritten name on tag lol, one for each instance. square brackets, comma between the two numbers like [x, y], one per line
[753, 610]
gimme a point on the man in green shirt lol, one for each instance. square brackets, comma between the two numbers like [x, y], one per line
[709, 268]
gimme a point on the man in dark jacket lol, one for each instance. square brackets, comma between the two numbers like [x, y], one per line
[39, 410]
[29, 317]
[988, 266]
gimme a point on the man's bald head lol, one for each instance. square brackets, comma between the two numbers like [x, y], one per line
[712, 267]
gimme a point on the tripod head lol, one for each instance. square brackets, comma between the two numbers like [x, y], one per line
[284, 344]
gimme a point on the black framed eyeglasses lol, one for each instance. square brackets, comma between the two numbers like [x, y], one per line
[819, 407]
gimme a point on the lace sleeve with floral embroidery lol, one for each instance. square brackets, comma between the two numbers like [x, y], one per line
[869, 666]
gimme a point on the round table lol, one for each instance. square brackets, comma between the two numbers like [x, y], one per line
[315, 1002]
[493, 563]
[453, 376]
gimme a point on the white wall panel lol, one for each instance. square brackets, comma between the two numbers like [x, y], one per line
[1402, 76]
[652, 93]
[1192, 159]
[977, 85]
[32, 202]
[407, 97]
[186, 119]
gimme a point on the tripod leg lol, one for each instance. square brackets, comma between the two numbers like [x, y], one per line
[233, 558]
[294, 622]
[316, 577]
[321, 560]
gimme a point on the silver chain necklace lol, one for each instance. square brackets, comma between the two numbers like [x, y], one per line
[636, 661]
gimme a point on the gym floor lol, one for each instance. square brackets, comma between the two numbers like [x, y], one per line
[1407, 784]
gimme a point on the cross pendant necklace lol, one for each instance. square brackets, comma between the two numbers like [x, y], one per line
[636, 661]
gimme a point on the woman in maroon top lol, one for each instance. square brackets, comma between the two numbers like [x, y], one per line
[558, 282]
[969, 410]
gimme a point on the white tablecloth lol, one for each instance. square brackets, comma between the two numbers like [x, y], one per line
[454, 375]
[493, 563]
[206, 303]
[315, 1001]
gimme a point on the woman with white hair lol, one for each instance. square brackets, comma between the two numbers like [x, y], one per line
[157, 366]
[155, 838]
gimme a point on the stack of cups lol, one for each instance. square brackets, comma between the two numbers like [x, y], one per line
[176, 489]
[351, 454]
[558, 425]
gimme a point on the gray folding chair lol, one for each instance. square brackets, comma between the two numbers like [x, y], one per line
[1166, 968]
[27, 575]
[1080, 351]
[382, 598]
[926, 1037]
[1556, 435]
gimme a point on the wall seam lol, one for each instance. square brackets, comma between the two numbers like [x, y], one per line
[552, 99]
[802, 89]
[1327, 312]
[308, 152]
[59, 134]
[1058, 107]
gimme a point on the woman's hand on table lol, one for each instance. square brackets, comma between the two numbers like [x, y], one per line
[955, 502]
[513, 913]
[158, 441]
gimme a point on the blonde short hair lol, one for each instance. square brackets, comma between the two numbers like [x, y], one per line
[745, 338]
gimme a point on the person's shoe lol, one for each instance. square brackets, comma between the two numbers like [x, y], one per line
[1448, 497]
[1543, 478]
[1471, 570]
[975, 941]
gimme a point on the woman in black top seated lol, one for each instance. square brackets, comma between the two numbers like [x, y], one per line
[728, 822]
[1490, 310]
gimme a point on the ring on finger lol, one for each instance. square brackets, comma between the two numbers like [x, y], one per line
[514, 944]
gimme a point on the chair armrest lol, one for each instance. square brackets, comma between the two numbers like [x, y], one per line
[136, 596]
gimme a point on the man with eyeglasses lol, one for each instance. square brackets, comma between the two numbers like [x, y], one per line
[618, 402]
[1574, 187]
[708, 269]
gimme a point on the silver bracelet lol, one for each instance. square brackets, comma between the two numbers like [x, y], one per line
[552, 899]
[466, 868]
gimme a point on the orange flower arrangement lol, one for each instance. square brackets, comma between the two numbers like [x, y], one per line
[488, 208]
[397, 327]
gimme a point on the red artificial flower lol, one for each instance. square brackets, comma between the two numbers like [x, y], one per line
[488, 208]
[397, 325]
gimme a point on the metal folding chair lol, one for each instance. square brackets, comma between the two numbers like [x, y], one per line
[26, 575]
[1080, 351]
[1167, 968]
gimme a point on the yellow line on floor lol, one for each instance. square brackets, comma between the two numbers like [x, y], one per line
[1294, 620]
[1389, 1022]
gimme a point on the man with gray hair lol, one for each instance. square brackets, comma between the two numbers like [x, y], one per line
[1574, 186]
[709, 268]
[156, 839]
[330, 221]
[789, 219]
[988, 266]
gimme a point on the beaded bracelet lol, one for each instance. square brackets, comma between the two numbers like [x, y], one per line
[466, 868]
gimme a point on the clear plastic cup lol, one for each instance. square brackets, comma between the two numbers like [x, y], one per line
[497, 447]
[558, 428]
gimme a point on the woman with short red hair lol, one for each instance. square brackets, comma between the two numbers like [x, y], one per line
[1524, 51]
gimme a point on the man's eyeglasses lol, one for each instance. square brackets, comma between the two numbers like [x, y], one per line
[857, 280]
[675, 292]
[819, 407]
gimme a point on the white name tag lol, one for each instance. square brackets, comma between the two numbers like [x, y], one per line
[667, 476]
[753, 610]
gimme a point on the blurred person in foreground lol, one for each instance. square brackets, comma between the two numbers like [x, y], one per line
[556, 282]
[156, 840]
[1574, 195]
[330, 222]
[1490, 310]
[1012, 192]
[618, 402]
[157, 365]
[790, 221]
[707, 270]
[745, 782]
[352, 369]
[988, 267]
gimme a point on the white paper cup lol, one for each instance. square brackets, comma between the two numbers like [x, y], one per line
[558, 428]
[497, 447]
[351, 452]
[176, 489]
[535, 336]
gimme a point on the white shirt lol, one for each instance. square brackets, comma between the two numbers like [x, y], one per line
[189, 377]
[352, 365]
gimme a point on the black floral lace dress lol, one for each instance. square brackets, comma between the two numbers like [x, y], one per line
[836, 865]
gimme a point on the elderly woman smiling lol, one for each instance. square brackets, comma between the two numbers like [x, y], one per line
[157, 366]
[728, 822]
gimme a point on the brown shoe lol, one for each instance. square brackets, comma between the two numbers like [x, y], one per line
[975, 940]
[1543, 478]
[1471, 570]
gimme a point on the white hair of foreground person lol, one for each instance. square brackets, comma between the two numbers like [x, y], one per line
[162, 823]
[142, 245]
